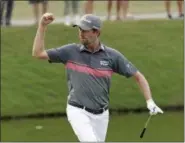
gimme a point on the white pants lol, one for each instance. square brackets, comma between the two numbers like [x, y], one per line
[88, 127]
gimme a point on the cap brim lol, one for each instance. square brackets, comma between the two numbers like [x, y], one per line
[82, 26]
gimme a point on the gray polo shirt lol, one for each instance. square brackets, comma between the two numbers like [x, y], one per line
[89, 74]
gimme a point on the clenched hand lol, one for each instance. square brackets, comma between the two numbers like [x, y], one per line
[46, 19]
[153, 108]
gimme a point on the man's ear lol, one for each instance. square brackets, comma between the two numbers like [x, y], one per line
[98, 32]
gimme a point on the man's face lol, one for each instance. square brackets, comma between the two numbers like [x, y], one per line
[87, 36]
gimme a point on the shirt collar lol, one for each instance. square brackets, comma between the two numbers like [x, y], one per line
[83, 48]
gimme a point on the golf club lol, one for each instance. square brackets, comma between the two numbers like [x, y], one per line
[144, 129]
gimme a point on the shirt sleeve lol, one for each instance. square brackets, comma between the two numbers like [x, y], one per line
[59, 55]
[123, 66]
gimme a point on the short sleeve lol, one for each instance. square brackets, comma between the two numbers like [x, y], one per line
[123, 66]
[59, 55]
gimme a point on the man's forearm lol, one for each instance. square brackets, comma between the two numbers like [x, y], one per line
[144, 86]
[38, 45]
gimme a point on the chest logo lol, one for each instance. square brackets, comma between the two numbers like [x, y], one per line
[104, 63]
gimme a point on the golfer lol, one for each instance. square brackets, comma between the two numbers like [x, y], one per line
[89, 66]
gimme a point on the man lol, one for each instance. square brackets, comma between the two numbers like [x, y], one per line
[120, 4]
[125, 7]
[36, 9]
[8, 5]
[89, 7]
[179, 5]
[89, 68]
[118, 8]
[68, 4]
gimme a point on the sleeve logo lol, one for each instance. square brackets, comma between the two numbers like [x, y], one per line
[104, 63]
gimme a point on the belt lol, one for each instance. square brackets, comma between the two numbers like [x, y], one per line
[99, 111]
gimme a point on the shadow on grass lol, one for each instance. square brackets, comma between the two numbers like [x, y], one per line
[63, 114]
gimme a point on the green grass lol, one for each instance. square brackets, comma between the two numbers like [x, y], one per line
[29, 85]
[100, 7]
[126, 128]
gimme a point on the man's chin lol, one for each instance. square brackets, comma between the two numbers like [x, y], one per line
[84, 43]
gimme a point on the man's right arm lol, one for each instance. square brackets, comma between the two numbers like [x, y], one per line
[38, 50]
[38, 45]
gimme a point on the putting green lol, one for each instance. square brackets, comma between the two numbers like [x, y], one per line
[161, 128]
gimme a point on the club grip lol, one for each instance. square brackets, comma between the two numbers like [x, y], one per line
[142, 133]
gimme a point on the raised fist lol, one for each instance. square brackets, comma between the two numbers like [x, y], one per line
[46, 19]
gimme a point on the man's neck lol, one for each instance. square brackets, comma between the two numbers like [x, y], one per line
[94, 46]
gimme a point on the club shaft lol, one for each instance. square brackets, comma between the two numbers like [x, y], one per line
[144, 129]
[148, 121]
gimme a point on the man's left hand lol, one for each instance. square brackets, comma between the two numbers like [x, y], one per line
[153, 108]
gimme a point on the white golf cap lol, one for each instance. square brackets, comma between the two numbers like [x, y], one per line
[88, 22]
